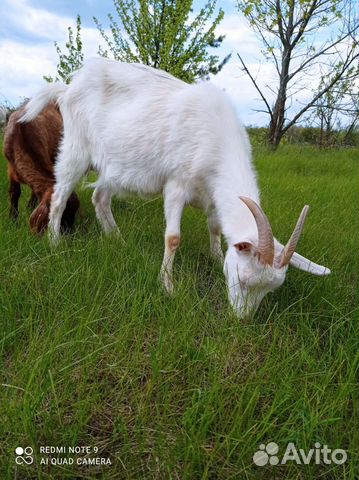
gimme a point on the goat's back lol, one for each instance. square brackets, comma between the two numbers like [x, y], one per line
[131, 119]
[37, 140]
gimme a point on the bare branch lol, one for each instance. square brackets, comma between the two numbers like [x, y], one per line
[280, 22]
[322, 52]
[320, 94]
[256, 85]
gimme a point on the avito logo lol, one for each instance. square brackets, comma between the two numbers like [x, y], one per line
[321, 454]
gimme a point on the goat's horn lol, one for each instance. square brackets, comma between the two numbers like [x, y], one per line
[289, 249]
[265, 235]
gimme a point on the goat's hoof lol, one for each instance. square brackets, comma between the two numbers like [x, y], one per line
[169, 289]
[115, 233]
[54, 239]
[167, 284]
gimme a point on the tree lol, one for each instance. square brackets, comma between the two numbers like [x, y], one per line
[290, 32]
[353, 113]
[328, 108]
[337, 103]
[159, 33]
[73, 59]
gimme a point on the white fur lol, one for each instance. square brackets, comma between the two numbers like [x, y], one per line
[147, 132]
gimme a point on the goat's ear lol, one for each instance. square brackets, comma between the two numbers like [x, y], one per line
[244, 247]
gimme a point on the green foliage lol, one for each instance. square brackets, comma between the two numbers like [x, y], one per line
[72, 60]
[258, 135]
[94, 353]
[154, 32]
[308, 135]
[160, 33]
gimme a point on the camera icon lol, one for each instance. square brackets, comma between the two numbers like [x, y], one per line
[24, 455]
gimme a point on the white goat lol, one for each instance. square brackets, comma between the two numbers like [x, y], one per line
[147, 132]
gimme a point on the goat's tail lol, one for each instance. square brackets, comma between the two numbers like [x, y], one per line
[50, 93]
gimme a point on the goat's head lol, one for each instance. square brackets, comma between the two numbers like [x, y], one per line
[252, 270]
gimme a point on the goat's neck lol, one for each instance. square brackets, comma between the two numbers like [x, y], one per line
[236, 220]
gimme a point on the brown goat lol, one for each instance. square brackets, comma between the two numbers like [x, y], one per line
[30, 149]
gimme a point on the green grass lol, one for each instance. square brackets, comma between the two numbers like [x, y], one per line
[94, 353]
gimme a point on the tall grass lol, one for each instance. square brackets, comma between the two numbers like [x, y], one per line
[95, 354]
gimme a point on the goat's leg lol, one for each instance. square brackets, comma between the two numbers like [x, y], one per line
[32, 203]
[60, 196]
[71, 165]
[14, 194]
[173, 205]
[215, 236]
[101, 200]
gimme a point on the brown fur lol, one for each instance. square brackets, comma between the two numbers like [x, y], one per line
[173, 242]
[30, 149]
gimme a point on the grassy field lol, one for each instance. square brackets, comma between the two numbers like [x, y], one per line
[95, 354]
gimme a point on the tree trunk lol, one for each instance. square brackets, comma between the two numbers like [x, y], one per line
[275, 131]
[276, 124]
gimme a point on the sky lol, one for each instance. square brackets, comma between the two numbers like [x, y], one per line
[29, 28]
